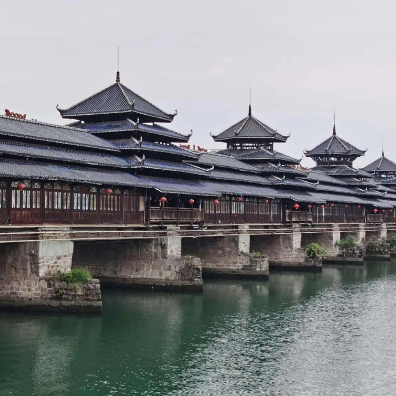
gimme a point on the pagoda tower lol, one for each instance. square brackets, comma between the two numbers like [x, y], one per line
[132, 124]
[334, 151]
[383, 170]
[252, 141]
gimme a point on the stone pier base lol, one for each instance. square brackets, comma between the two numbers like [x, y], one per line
[29, 279]
[153, 264]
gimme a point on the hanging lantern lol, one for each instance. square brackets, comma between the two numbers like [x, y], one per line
[309, 206]
[21, 186]
[375, 210]
[322, 206]
[235, 216]
[239, 199]
[390, 210]
[345, 206]
[216, 202]
[296, 206]
[163, 199]
[191, 201]
[383, 210]
[266, 201]
[109, 191]
[332, 205]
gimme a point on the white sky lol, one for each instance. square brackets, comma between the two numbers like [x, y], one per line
[302, 57]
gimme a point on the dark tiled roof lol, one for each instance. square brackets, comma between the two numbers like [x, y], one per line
[224, 161]
[116, 98]
[290, 182]
[276, 169]
[259, 154]
[343, 170]
[28, 150]
[382, 164]
[177, 186]
[321, 176]
[51, 133]
[36, 170]
[262, 154]
[128, 125]
[250, 128]
[132, 144]
[238, 177]
[334, 145]
[387, 181]
[328, 197]
[106, 126]
[168, 166]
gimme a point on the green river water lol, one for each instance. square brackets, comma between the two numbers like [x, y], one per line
[298, 334]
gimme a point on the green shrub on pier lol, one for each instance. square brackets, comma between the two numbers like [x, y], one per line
[315, 251]
[255, 255]
[392, 242]
[377, 248]
[347, 243]
[76, 275]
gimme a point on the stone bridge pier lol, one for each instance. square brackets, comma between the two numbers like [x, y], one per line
[227, 256]
[28, 278]
[153, 264]
[376, 232]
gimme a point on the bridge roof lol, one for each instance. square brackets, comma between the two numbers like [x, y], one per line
[115, 99]
[42, 132]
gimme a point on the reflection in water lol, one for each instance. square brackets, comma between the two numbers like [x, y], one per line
[298, 334]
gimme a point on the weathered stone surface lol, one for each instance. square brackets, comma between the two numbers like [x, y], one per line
[139, 261]
[27, 278]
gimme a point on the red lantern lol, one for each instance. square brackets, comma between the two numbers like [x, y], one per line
[359, 206]
[191, 201]
[235, 216]
[109, 191]
[21, 186]
[390, 210]
[163, 199]
[345, 206]
[375, 210]
[239, 199]
[322, 206]
[309, 206]
[296, 206]
[331, 204]
[266, 201]
[383, 210]
[216, 202]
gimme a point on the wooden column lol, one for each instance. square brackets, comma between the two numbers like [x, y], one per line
[177, 209]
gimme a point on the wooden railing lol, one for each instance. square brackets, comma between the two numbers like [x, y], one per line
[298, 217]
[182, 215]
[375, 218]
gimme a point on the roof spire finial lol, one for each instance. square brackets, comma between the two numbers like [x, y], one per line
[334, 128]
[118, 65]
[250, 101]
[383, 154]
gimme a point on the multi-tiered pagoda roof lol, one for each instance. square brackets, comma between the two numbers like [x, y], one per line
[334, 151]
[116, 101]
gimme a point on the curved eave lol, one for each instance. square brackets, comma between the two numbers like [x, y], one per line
[311, 154]
[129, 111]
[258, 138]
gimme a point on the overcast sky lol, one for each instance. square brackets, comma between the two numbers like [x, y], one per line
[302, 58]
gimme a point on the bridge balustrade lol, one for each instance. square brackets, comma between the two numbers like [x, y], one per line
[176, 215]
[298, 217]
[375, 218]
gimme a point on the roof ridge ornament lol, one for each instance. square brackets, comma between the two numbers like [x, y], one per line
[118, 80]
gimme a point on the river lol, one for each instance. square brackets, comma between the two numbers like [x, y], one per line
[297, 334]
